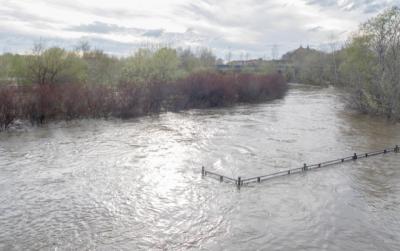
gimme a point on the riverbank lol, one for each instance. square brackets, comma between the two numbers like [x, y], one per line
[42, 103]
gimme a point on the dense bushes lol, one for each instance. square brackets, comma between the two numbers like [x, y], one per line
[255, 88]
[206, 90]
[40, 103]
[213, 89]
[372, 63]
[54, 83]
[8, 106]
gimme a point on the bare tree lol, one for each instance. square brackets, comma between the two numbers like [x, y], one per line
[334, 47]
[83, 46]
[275, 52]
[46, 66]
[228, 57]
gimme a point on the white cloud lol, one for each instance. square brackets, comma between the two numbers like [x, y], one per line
[239, 26]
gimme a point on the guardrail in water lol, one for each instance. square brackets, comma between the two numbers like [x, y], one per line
[240, 182]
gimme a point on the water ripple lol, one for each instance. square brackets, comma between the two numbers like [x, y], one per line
[136, 184]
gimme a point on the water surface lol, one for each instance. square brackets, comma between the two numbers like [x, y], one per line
[136, 184]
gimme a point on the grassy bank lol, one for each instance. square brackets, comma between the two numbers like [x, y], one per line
[40, 103]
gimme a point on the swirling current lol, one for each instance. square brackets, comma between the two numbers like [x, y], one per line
[136, 184]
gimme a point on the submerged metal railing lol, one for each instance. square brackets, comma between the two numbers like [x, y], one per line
[240, 182]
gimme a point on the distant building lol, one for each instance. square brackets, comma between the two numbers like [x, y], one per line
[227, 67]
[254, 64]
[251, 62]
[238, 65]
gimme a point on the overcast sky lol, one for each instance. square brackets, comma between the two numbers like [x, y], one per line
[258, 28]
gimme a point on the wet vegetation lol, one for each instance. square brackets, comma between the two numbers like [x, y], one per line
[55, 84]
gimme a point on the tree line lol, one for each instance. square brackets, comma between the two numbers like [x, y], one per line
[367, 66]
[53, 84]
[56, 65]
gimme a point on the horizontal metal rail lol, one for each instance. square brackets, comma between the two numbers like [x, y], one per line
[221, 178]
[240, 182]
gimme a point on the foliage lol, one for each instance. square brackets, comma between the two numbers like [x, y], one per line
[53, 65]
[44, 102]
[8, 106]
[146, 65]
[368, 66]
[372, 63]
[12, 68]
[309, 66]
[165, 64]
[101, 68]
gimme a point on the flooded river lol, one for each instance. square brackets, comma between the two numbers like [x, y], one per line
[137, 185]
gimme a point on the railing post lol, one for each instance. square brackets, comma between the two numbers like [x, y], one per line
[239, 182]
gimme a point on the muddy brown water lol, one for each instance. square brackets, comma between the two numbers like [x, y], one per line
[136, 184]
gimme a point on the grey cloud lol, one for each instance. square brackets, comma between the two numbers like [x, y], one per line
[14, 41]
[80, 7]
[202, 10]
[99, 27]
[13, 12]
[19, 42]
[214, 14]
[224, 25]
[377, 6]
[324, 3]
[315, 29]
[159, 34]
[260, 20]
[366, 6]
[154, 33]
